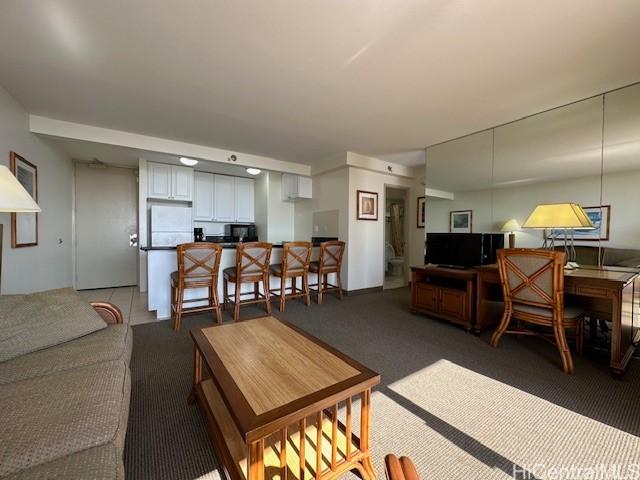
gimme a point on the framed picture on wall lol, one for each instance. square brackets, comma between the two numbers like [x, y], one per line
[24, 226]
[421, 212]
[460, 221]
[599, 216]
[367, 205]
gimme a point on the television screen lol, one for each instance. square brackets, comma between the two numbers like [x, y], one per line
[463, 249]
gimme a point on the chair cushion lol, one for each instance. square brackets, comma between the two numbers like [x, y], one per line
[98, 463]
[174, 277]
[112, 343]
[47, 418]
[35, 321]
[570, 312]
[277, 270]
[314, 267]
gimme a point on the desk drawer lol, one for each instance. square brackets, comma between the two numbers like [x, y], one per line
[590, 291]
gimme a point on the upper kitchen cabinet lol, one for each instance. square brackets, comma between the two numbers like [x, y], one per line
[203, 196]
[170, 182]
[295, 187]
[245, 188]
[224, 195]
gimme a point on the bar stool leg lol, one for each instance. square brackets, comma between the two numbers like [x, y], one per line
[320, 288]
[283, 294]
[305, 286]
[180, 300]
[216, 303]
[236, 298]
[225, 293]
[256, 290]
[267, 292]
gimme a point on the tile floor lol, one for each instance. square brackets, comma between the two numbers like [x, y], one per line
[130, 300]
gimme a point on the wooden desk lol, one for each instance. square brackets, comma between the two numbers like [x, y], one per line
[268, 382]
[612, 293]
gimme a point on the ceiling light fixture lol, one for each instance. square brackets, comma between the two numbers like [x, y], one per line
[190, 162]
[253, 171]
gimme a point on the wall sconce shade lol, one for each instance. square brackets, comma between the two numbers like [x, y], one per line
[13, 196]
[558, 215]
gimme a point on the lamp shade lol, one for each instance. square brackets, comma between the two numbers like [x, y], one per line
[13, 196]
[558, 215]
[511, 226]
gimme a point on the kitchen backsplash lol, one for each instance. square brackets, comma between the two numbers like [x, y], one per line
[211, 228]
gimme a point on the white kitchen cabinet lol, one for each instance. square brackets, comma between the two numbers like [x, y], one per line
[224, 198]
[159, 180]
[203, 187]
[245, 202]
[295, 187]
[170, 182]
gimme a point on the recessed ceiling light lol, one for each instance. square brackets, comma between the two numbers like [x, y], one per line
[188, 161]
[253, 171]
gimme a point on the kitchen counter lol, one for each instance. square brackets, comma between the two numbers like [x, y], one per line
[224, 245]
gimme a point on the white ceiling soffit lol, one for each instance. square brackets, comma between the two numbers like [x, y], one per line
[299, 80]
[58, 128]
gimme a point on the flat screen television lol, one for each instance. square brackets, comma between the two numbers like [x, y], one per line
[463, 250]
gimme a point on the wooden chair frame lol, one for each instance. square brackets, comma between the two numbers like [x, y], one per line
[295, 292]
[554, 302]
[399, 468]
[323, 285]
[187, 281]
[262, 261]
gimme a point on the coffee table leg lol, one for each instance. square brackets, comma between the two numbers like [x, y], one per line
[365, 421]
[197, 374]
[256, 462]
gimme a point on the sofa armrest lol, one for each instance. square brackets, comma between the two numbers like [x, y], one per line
[108, 311]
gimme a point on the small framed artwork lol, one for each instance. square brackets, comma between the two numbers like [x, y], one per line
[460, 221]
[601, 219]
[367, 205]
[24, 226]
[421, 213]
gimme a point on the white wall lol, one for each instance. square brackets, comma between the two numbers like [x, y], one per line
[491, 209]
[49, 264]
[330, 192]
[366, 238]
[280, 214]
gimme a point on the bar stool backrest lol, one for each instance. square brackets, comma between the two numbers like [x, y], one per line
[198, 260]
[331, 254]
[296, 256]
[252, 258]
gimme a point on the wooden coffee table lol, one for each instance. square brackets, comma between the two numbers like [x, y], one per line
[265, 381]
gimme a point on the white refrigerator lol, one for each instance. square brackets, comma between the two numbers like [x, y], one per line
[171, 225]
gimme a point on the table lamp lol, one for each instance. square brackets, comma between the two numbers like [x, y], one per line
[13, 198]
[512, 226]
[563, 216]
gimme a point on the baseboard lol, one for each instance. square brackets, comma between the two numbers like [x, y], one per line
[362, 291]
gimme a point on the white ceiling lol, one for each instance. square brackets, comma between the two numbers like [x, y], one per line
[299, 79]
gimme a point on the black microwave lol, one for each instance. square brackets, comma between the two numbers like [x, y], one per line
[245, 232]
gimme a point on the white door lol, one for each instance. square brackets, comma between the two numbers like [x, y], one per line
[203, 196]
[244, 199]
[224, 192]
[159, 180]
[106, 202]
[181, 183]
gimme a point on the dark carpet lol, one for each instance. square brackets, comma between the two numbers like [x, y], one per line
[458, 407]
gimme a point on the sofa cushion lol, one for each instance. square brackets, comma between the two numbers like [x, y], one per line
[35, 321]
[112, 343]
[98, 463]
[47, 418]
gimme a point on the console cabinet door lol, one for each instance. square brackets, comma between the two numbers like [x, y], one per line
[245, 199]
[427, 297]
[452, 303]
[181, 183]
[224, 194]
[159, 180]
[203, 196]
